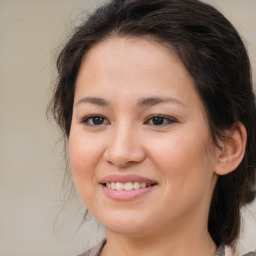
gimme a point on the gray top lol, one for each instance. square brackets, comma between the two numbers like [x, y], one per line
[96, 250]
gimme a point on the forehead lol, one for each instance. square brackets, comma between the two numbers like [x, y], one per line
[136, 67]
[133, 51]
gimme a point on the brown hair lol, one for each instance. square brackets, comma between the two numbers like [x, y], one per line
[215, 56]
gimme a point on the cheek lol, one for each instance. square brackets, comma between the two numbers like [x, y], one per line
[180, 151]
[84, 152]
[185, 164]
[84, 155]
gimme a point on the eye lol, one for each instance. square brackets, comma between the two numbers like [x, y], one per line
[159, 120]
[95, 120]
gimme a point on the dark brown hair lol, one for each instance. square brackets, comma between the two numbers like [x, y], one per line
[215, 56]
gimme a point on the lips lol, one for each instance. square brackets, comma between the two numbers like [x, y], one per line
[126, 187]
[126, 178]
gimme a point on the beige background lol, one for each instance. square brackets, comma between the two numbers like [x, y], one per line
[31, 166]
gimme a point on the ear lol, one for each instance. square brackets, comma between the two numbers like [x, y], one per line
[233, 149]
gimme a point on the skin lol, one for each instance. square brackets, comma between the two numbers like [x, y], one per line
[179, 155]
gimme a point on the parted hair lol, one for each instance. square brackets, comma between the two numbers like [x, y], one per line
[214, 55]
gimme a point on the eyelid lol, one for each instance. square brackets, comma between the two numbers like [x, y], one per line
[169, 119]
[85, 119]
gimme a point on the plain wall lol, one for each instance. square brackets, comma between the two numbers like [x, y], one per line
[31, 165]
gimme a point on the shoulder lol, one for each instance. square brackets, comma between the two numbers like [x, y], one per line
[230, 252]
[250, 254]
[220, 250]
[227, 251]
[94, 251]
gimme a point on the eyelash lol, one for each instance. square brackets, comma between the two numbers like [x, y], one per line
[165, 119]
[89, 118]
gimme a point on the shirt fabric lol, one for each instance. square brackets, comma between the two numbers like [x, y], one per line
[96, 250]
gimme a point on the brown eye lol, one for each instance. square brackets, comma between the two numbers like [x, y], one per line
[159, 120]
[95, 120]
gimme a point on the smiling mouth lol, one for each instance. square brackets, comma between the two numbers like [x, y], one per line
[128, 185]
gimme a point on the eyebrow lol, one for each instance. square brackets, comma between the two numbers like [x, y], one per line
[156, 100]
[142, 102]
[93, 100]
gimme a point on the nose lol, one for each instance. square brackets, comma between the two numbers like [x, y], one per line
[124, 148]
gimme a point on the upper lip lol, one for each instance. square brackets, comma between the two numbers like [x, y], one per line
[126, 178]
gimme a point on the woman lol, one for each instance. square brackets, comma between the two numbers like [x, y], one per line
[155, 99]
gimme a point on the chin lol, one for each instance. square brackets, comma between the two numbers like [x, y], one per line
[131, 225]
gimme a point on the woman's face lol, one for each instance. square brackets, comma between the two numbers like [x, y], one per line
[140, 148]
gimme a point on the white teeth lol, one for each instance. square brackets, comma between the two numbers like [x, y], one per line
[143, 185]
[136, 185]
[119, 186]
[126, 186]
[113, 185]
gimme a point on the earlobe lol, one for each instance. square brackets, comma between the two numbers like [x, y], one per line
[233, 149]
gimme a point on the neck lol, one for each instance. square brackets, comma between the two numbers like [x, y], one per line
[193, 242]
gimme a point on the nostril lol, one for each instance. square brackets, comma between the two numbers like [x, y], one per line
[124, 156]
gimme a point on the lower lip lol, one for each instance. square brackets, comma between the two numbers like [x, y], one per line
[126, 195]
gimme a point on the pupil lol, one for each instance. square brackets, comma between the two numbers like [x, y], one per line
[98, 120]
[157, 120]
